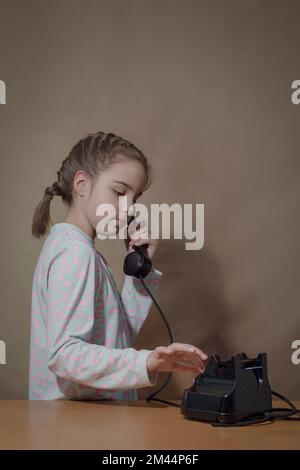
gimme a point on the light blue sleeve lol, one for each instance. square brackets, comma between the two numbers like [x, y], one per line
[70, 300]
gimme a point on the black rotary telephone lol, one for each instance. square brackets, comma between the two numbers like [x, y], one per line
[228, 393]
[137, 263]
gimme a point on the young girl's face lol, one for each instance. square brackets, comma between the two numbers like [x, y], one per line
[124, 178]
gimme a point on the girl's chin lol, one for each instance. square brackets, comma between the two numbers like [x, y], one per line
[113, 229]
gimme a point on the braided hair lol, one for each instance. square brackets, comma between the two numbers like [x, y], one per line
[92, 154]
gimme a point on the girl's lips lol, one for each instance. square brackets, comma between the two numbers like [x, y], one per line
[121, 221]
[118, 219]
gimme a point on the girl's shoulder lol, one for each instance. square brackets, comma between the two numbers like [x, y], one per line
[64, 258]
[70, 232]
[66, 241]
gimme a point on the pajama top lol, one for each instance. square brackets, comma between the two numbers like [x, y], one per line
[82, 327]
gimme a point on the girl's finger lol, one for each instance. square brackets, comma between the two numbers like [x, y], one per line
[188, 348]
[166, 352]
[141, 241]
[193, 358]
[143, 226]
[141, 232]
[198, 351]
[178, 357]
[183, 368]
[181, 347]
[201, 354]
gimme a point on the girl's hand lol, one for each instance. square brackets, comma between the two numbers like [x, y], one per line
[142, 237]
[176, 357]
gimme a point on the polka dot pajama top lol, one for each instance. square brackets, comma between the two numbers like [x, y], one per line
[82, 328]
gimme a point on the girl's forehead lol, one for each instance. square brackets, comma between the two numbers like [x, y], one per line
[131, 173]
[127, 166]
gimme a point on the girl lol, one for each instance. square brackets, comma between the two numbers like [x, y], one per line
[82, 328]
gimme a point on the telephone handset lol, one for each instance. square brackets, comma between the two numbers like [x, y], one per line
[137, 263]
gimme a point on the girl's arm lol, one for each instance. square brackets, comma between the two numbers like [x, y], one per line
[136, 301]
[70, 322]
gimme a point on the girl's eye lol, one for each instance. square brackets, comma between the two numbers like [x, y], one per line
[120, 194]
[123, 194]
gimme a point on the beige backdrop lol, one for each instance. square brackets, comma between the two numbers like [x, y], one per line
[203, 88]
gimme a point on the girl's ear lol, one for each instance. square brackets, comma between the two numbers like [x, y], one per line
[81, 184]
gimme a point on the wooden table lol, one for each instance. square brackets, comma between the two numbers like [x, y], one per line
[128, 425]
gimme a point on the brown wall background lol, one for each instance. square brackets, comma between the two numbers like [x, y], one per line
[203, 87]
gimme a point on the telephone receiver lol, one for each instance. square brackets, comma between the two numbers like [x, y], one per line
[137, 263]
